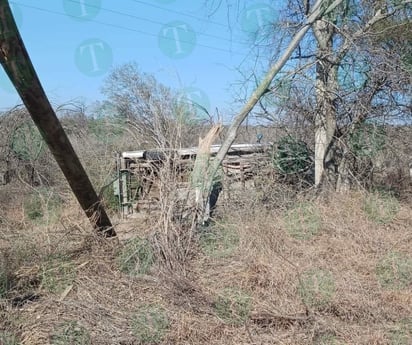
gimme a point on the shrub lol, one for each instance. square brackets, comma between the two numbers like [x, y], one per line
[8, 339]
[150, 324]
[381, 208]
[399, 337]
[401, 334]
[136, 257]
[233, 306]
[367, 140]
[303, 221]
[71, 333]
[316, 287]
[27, 143]
[41, 203]
[394, 271]
[292, 156]
[326, 339]
[219, 242]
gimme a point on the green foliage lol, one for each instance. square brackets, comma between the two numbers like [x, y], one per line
[136, 257]
[40, 203]
[401, 334]
[111, 201]
[150, 324]
[57, 274]
[8, 339]
[107, 129]
[71, 333]
[381, 208]
[292, 156]
[399, 337]
[368, 140]
[233, 306]
[326, 339]
[27, 143]
[219, 242]
[394, 271]
[303, 221]
[316, 287]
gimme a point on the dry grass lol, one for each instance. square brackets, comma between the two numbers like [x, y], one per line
[245, 290]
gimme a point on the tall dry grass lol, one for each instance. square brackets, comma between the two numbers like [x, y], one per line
[250, 279]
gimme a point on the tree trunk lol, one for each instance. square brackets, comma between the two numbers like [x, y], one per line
[326, 90]
[317, 12]
[18, 66]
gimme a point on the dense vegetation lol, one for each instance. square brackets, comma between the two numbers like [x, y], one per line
[292, 256]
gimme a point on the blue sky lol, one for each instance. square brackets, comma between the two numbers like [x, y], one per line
[74, 43]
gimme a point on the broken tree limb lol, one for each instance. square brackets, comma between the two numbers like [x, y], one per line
[200, 171]
[319, 9]
[18, 66]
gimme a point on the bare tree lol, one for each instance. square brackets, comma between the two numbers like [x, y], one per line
[157, 114]
[318, 11]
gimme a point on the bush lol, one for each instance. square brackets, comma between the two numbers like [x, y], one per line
[398, 338]
[150, 324]
[316, 287]
[303, 221]
[27, 143]
[219, 242]
[136, 257]
[233, 306]
[42, 203]
[71, 333]
[394, 271]
[367, 140]
[292, 156]
[8, 339]
[326, 339]
[111, 201]
[381, 208]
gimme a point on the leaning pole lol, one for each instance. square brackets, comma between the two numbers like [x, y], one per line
[18, 66]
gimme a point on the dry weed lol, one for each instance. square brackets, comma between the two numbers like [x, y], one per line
[274, 299]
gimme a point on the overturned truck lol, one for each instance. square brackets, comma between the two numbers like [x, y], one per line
[136, 185]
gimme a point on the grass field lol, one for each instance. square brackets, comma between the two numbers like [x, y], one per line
[330, 269]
